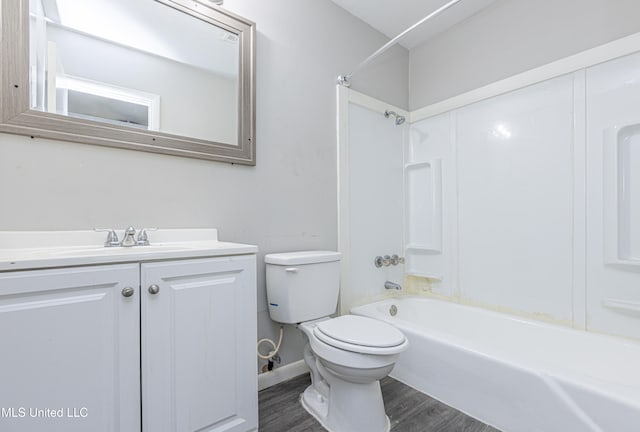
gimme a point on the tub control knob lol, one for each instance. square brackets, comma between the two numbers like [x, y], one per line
[380, 261]
[154, 289]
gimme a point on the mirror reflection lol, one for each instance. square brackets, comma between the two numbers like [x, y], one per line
[138, 63]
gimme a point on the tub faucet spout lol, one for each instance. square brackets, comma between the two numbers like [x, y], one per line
[392, 285]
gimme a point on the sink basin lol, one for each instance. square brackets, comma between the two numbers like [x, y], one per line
[47, 249]
[119, 250]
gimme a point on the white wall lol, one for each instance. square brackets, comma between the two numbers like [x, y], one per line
[510, 37]
[287, 202]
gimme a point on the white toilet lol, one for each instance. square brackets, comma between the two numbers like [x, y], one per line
[347, 355]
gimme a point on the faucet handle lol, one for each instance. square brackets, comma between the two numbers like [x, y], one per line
[112, 237]
[143, 238]
[380, 261]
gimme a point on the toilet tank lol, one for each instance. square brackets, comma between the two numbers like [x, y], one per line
[302, 286]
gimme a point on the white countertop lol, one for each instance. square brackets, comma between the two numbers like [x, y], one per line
[22, 250]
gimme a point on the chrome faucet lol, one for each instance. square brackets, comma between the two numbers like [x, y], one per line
[129, 237]
[392, 285]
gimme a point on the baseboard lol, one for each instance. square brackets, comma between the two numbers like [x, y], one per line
[281, 374]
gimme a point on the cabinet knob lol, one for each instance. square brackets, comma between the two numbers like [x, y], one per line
[154, 289]
[127, 292]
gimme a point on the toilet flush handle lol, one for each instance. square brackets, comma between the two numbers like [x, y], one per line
[291, 270]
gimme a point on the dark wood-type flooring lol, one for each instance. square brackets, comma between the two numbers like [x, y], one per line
[408, 409]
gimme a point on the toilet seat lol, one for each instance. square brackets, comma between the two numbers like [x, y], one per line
[360, 335]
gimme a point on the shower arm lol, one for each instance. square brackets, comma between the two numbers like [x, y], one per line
[345, 80]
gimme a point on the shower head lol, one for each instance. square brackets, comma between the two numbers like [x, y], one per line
[399, 119]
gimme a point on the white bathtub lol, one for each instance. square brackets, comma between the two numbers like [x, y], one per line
[515, 374]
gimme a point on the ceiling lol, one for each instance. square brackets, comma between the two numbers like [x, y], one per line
[393, 17]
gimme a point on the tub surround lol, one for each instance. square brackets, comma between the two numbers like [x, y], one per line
[502, 222]
[519, 216]
[482, 225]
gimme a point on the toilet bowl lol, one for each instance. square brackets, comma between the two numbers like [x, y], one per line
[347, 355]
[346, 368]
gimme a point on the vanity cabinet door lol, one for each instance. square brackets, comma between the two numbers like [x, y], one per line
[198, 329]
[69, 356]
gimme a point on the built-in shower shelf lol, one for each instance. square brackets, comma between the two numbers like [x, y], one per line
[411, 165]
[624, 264]
[423, 205]
[424, 248]
[423, 218]
[621, 202]
[427, 275]
[625, 305]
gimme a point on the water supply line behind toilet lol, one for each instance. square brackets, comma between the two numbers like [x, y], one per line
[273, 354]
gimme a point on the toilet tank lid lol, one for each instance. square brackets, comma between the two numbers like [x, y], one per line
[302, 257]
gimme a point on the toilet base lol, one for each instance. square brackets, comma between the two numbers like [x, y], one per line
[318, 406]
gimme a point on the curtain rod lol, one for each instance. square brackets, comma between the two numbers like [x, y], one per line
[345, 80]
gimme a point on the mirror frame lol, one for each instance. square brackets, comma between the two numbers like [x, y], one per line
[17, 117]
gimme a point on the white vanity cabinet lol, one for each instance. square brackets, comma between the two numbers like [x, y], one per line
[69, 356]
[158, 346]
[198, 345]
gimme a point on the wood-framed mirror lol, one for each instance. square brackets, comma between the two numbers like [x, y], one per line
[165, 76]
